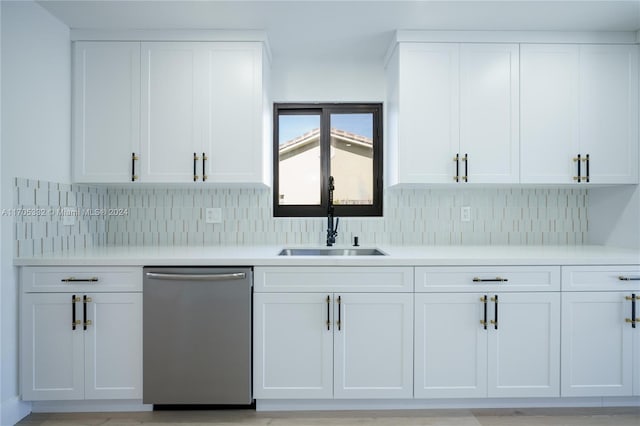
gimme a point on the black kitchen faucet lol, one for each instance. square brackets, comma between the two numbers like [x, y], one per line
[332, 232]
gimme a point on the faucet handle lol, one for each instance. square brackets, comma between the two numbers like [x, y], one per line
[335, 230]
[355, 241]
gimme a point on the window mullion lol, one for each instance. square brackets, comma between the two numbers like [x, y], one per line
[325, 150]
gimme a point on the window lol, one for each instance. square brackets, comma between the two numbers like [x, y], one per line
[313, 142]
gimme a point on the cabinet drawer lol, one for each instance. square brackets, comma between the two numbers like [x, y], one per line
[330, 279]
[81, 278]
[604, 278]
[487, 278]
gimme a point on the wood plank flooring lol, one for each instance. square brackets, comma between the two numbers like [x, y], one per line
[628, 416]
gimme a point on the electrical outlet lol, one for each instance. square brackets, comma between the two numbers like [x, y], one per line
[465, 214]
[213, 215]
[69, 216]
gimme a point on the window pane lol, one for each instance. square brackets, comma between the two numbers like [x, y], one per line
[352, 158]
[299, 167]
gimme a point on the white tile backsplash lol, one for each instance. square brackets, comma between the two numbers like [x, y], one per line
[37, 216]
[412, 216]
[175, 216]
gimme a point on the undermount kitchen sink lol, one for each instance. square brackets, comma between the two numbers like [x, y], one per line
[331, 252]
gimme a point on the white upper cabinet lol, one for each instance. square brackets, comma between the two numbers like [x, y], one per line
[234, 112]
[172, 97]
[609, 112]
[489, 105]
[453, 113]
[579, 114]
[427, 102]
[106, 110]
[171, 112]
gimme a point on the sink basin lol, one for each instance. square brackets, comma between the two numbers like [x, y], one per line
[331, 252]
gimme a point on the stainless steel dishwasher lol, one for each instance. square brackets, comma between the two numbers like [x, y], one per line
[197, 336]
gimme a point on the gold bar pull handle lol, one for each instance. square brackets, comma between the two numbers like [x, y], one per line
[339, 313]
[86, 322]
[204, 167]
[633, 320]
[466, 168]
[134, 158]
[484, 320]
[457, 160]
[74, 321]
[79, 280]
[195, 166]
[328, 313]
[490, 280]
[494, 321]
[578, 160]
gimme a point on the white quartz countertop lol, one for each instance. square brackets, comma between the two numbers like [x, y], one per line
[396, 256]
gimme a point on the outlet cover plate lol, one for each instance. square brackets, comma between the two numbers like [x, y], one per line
[213, 215]
[465, 214]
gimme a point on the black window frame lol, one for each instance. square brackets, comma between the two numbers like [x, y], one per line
[325, 110]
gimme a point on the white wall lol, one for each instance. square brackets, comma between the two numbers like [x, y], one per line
[309, 81]
[1, 259]
[36, 97]
[614, 216]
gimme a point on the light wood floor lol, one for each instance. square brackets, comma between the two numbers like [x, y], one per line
[629, 416]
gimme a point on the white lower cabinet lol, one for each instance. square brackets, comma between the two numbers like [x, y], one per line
[473, 345]
[373, 346]
[333, 345]
[600, 336]
[597, 345]
[80, 344]
[293, 345]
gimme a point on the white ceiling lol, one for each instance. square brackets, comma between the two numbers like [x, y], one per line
[358, 29]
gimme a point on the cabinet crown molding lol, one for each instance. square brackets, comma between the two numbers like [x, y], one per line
[571, 37]
[171, 35]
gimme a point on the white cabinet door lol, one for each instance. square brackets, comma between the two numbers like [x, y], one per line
[172, 111]
[549, 126]
[233, 117]
[293, 345]
[609, 112]
[373, 345]
[579, 100]
[450, 346]
[596, 345]
[113, 346]
[489, 112]
[524, 346]
[52, 350]
[106, 109]
[428, 122]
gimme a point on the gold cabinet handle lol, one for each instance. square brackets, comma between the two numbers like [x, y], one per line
[484, 320]
[79, 280]
[134, 158]
[195, 165]
[86, 322]
[74, 321]
[490, 280]
[457, 160]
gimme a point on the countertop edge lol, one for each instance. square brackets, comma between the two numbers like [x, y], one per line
[397, 256]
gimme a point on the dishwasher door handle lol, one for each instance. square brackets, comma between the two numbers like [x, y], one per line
[196, 277]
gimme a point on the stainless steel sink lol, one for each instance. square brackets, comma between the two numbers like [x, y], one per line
[331, 252]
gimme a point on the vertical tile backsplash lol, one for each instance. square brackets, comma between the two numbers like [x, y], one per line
[176, 216]
[39, 209]
[412, 216]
